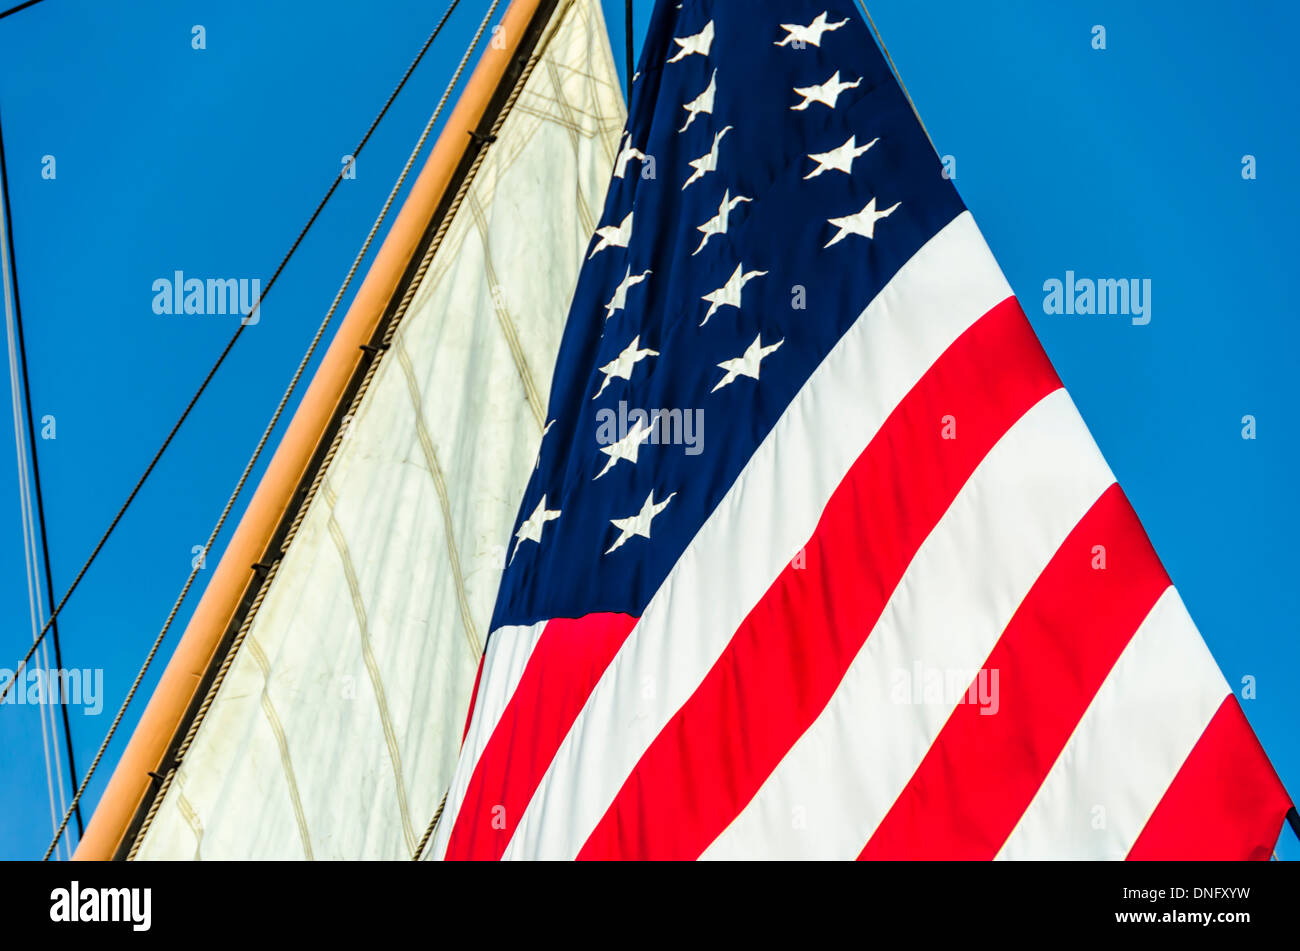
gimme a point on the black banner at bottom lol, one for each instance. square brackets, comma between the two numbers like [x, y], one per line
[583, 903]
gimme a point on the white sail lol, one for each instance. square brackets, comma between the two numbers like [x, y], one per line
[336, 730]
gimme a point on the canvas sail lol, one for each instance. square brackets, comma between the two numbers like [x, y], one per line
[335, 730]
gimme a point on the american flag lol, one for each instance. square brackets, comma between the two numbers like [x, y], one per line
[819, 560]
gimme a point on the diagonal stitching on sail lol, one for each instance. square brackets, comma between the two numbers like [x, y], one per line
[575, 139]
[612, 127]
[504, 319]
[282, 741]
[372, 663]
[444, 497]
[190, 815]
[586, 120]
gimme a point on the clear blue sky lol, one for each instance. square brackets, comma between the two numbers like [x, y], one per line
[1117, 163]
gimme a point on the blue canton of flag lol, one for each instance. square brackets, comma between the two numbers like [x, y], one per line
[765, 192]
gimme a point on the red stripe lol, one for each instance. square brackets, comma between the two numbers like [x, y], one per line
[984, 769]
[565, 666]
[1225, 803]
[782, 666]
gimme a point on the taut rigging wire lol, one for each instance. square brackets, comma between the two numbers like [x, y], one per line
[8, 236]
[21, 6]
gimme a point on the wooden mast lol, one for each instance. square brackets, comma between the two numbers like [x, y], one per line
[234, 577]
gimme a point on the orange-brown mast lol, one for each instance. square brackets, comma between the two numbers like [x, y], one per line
[231, 581]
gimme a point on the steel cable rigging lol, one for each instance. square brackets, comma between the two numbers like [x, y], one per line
[25, 397]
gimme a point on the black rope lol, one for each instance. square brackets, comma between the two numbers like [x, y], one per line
[631, 63]
[224, 353]
[21, 6]
[36, 466]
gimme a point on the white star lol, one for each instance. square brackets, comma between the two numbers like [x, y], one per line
[841, 159]
[700, 43]
[703, 103]
[706, 163]
[746, 364]
[625, 156]
[728, 295]
[828, 93]
[613, 236]
[621, 366]
[638, 524]
[863, 223]
[619, 300]
[718, 223]
[531, 530]
[627, 447]
[812, 33]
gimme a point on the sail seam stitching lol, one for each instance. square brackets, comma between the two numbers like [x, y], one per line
[372, 668]
[282, 742]
[444, 496]
[506, 322]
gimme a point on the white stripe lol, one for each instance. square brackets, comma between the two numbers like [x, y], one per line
[504, 662]
[1132, 740]
[945, 288]
[960, 591]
